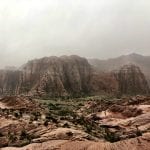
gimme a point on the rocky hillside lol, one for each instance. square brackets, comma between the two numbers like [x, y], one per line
[50, 75]
[69, 76]
[9, 82]
[131, 80]
[115, 63]
[56, 76]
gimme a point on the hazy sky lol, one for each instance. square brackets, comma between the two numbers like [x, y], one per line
[91, 28]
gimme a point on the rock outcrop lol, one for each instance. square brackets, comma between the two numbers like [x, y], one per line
[70, 76]
[131, 80]
[55, 77]
[9, 82]
[136, 144]
[126, 119]
[103, 83]
[115, 63]
[51, 76]
[20, 103]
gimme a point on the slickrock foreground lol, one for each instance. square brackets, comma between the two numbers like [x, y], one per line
[122, 124]
[141, 143]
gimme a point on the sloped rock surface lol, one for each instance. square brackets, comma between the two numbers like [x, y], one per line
[56, 76]
[9, 82]
[133, 144]
[19, 102]
[116, 63]
[131, 80]
[52, 76]
[103, 83]
[70, 76]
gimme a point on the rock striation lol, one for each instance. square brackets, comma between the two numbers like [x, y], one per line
[55, 77]
[70, 76]
[116, 63]
[9, 82]
[131, 80]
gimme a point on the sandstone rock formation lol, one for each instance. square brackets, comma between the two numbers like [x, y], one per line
[9, 82]
[103, 83]
[131, 80]
[69, 76]
[117, 117]
[116, 63]
[50, 76]
[20, 103]
[56, 76]
[136, 144]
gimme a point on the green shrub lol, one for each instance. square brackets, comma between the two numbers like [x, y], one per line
[11, 137]
[25, 136]
[52, 106]
[110, 136]
[66, 125]
[1, 134]
[46, 123]
[70, 134]
[88, 128]
[16, 115]
[65, 112]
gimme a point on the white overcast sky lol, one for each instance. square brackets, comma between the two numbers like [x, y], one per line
[92, 28]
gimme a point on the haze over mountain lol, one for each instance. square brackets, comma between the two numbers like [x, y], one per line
[55, 76]
[72, 76]
[32, 29]
[62, 102]
[115, 63]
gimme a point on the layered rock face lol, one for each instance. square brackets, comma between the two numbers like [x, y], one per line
[56, 76]
[115, 63]
[131, 80]
[70, 76]
[53, 76]
[103, 83]
[9, 82]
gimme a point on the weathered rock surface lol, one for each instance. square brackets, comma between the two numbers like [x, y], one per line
[136, 144]
[133, 128]
[132, 81]
[55, 76]
[19, 103]
[103, 83]
[9, 82]
[50, 76]
[116, 63]
[70, 76]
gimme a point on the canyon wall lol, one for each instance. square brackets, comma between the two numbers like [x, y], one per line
[70, 76]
